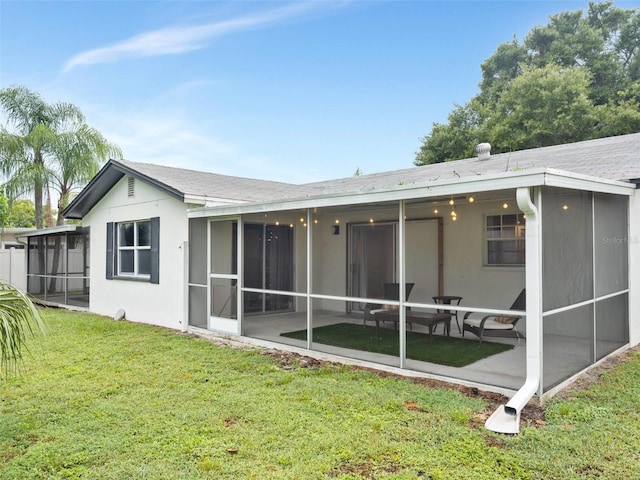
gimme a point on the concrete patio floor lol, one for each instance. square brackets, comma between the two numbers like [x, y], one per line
[503, 372]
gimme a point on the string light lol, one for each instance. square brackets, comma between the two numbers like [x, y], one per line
[505, 205]
[471, 199]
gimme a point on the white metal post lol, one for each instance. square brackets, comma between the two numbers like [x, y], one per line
[240, 274]
[309, 231]
[185, 283]
[402, 287]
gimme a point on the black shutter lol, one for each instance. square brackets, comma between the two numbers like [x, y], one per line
[110, 242]
[155, 250]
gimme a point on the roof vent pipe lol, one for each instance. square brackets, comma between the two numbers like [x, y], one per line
[484, 151]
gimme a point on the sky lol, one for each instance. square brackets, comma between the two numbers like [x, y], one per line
[288, 91]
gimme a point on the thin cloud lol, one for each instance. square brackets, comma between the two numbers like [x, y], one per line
[181, 39]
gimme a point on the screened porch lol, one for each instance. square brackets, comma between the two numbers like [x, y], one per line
[271, 273]
[58, 265]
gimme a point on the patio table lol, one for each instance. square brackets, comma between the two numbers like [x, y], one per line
[427, 319]
[449, 300]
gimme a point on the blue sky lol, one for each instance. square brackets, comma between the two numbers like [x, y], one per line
[289, 91]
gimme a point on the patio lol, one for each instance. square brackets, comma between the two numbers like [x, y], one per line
[504, 370]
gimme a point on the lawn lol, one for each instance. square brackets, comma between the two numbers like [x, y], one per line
[116, 400]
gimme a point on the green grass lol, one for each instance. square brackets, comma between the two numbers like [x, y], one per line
[99, 399]
[452, 351]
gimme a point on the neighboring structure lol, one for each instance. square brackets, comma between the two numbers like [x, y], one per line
[57, 265]
[10, 237]
[205, 252]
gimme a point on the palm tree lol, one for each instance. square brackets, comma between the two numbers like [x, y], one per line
[24, 149]
[77, 154]
[50, 147]
[19, 320]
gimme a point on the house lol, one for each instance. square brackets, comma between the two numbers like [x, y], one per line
[137, 216]
[209, 253]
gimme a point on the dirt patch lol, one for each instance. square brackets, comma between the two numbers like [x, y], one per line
[365, 470]
[290, 361]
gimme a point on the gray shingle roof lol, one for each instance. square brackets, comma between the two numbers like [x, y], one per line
[612, 158]
[215, 186]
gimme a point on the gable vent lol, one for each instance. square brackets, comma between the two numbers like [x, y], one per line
[131, 187]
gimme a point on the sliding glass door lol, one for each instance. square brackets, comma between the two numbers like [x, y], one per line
[268, 265]
[372, 260]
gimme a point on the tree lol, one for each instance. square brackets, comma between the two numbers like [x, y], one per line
[541, 107]
[448, 141]
[24, 148]
[78, 153]
[47, 146]
[4, 211]
[19, 320]
[21, 214]
[574, 79]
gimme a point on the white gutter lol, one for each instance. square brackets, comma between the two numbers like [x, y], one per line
[506, 419]
[425, 189]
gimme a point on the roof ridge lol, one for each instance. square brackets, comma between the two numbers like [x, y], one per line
[131, 164]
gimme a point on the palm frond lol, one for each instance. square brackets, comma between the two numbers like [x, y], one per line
[19, 321]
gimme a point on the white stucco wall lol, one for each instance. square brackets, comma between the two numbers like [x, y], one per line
[634, 268]
[464, 272]
[160, 304]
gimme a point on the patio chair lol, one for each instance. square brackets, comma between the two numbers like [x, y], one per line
[391, 292]
[496, 325]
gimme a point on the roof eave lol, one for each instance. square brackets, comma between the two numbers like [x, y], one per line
[51, 230]
[437, 188]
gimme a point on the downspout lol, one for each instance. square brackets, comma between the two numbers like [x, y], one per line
[506, 419]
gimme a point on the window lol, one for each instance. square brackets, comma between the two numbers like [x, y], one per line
[505, 239]
[133, 250]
